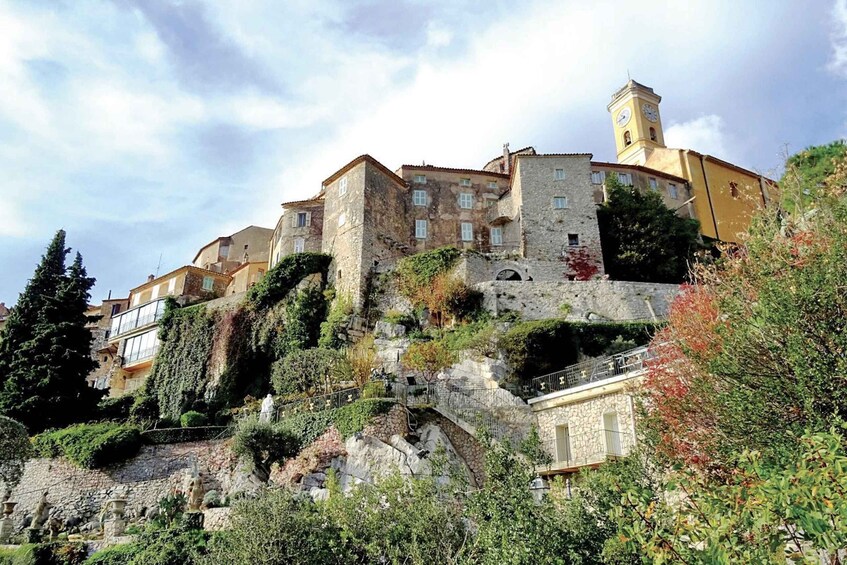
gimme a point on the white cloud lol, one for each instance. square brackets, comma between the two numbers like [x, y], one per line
[437, 35]
[838, 39]
[705, 134]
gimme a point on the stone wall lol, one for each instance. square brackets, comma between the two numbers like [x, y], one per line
[579, 300]
[546, 230]
[80, 494]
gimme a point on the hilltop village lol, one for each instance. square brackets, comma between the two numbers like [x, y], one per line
[460, 326]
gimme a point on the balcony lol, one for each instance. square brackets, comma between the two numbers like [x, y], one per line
[572, 452]
[500, 212]
[135, 357]
[136, 318]
[592, 371]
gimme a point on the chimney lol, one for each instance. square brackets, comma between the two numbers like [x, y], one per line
[507, 162]
[150, 278]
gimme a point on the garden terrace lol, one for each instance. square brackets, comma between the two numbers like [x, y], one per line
[630, 363]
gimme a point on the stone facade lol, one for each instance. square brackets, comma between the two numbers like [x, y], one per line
[601, 300]
[101, 351]
[300, 227]
[227, 253]
[588, 424]
[79, 495]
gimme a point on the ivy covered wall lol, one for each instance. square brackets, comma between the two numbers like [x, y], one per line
[210, 359]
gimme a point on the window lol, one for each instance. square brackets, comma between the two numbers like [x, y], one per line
[342, 219]
[653, 136]
[342, 186]
[733, 189]
[672, 192]
[208, 283]
[654, 184]
[172, 285]
[467, 231]
[299, 245]
[492, 184]
[135, 299]
[612, 433]
[563, 443]
[573, 240]
[598, 177]
[464, 182]
[559, 174]
[420, 179]
[116, 308]
[560, 202]
[141, 347]
[496, 236]
[627, 139]
[419, 197]
[420, 229]
[466, 200]
[154, 293]
[302, 220]
[625, 179]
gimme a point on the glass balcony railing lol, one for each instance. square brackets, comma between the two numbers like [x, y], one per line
[138, 317]
[140, 355]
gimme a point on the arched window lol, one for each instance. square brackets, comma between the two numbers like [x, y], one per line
[733, 189]
[653, 134]
[627, 139]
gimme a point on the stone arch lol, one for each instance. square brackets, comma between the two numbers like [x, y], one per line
[508, 274]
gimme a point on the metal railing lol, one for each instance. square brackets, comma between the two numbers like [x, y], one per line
[317, 403]
[591, 371]
[587, 448]
[504, 416]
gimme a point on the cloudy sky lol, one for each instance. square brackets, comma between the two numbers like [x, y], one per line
[147, 128]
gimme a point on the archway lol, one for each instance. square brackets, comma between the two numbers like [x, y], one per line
[508, 275]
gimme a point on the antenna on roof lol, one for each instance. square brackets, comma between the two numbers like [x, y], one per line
[628, 78]
[159, 266]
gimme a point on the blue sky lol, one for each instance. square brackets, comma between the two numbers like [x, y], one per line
[147, 128]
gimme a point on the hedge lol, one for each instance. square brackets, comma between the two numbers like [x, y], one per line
[543, 346]
[90, 445]
[120, 554]
[193, 419]
[181, 435]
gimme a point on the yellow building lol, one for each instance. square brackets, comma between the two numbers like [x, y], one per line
[246, 275]
[725, 196]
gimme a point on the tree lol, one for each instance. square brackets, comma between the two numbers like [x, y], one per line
[15, 449]
[308, 371]
[642, 239]
[812, 167]
[45, 354]
[428, 358]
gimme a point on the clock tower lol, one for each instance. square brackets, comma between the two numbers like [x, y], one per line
[636, 121]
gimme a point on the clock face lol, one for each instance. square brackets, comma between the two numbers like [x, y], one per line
[623, 117]
[650, 112]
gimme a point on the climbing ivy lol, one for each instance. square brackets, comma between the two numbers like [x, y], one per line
[285, 275]
[419, 270]
[209, 360]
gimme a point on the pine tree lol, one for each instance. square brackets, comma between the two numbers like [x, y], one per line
[45, 351]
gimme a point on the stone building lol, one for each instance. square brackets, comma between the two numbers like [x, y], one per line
[227, 253]
[536, 210]
[133, 335]
[100, 324]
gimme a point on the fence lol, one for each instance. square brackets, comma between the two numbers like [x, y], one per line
[317, 403]
[592, 371]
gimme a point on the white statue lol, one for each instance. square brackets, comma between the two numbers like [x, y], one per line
[267, 409]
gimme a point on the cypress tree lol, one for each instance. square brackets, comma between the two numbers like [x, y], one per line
[45, 351]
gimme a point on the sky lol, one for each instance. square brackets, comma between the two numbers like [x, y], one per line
[147, 128]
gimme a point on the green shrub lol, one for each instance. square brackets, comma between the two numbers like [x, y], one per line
[212, 499]
[120, 554]
[404, 319]
[263, 443]
[420, 270]
[192, 419]
[285, 275]
[181, 435]
[309, 370]
[538, 347]
[117, 408]
[59, 553]
[336, 321]
[373, 389]
[90, 445]
[479, 337]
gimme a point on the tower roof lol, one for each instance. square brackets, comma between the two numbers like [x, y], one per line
[632, 87]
